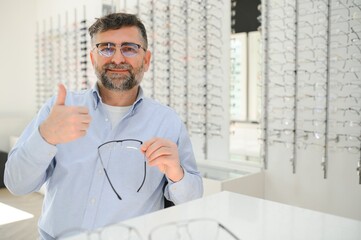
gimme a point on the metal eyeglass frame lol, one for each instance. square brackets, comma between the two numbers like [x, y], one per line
[110, 44]
[105, 171]
[186, 223]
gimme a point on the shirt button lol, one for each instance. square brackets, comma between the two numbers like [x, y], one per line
[100, 171]
[106, 119]
[92, 201]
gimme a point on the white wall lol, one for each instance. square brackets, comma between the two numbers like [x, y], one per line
[17, 67]
[18, 20]
[52, 8]
[338, 194]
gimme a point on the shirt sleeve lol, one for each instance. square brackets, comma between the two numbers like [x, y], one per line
[30, 161]
[190, 187]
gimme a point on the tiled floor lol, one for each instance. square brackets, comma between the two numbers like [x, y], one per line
[24, 229]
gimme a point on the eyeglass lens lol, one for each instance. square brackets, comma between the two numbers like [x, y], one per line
[122, 160]
[109, 49]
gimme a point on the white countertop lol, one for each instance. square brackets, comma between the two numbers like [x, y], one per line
[252, 218]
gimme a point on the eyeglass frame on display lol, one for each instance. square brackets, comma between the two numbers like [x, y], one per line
[73, 232]
[186, 222]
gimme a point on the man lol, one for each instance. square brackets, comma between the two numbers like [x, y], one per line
[66, 147]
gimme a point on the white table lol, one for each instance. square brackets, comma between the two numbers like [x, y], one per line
[252, 218]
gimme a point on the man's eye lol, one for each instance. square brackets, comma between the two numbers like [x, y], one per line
[105, 49]
[129, 49]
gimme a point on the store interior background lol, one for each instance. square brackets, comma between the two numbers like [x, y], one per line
[339, 193]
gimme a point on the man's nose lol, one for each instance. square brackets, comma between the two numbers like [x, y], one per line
[118, 57]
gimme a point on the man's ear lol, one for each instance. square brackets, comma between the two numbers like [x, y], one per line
[147, 57]
[91, 54]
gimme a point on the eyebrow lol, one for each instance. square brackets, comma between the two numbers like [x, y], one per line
[123, 43]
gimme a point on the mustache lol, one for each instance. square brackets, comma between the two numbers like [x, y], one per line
[123, 66]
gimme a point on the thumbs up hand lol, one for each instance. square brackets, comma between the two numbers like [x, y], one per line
[60, 100]
[64, 123]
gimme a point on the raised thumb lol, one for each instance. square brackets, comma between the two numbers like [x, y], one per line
[60, 100]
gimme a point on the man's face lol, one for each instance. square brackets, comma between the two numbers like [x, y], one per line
[118, 72]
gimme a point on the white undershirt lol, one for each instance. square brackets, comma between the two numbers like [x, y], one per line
[116, 113]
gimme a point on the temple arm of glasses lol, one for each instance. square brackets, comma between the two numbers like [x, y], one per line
[106, 174]
[145, 173]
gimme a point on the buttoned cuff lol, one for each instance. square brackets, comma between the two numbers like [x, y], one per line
[38, 149]
[177, 190]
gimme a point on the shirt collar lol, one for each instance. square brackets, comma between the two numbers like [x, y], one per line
[97, 98]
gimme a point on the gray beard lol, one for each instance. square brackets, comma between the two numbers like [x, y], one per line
[119, 81]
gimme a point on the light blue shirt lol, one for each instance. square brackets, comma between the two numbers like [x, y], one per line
[78, 194]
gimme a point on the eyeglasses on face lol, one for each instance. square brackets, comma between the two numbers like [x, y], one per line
[128, 49]
[125, 144]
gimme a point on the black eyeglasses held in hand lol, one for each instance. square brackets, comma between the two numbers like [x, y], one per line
[125, 144]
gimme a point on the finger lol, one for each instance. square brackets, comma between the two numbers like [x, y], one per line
[85, 119]
[79, 127]
[78, 110]
[154, 147]
[160, 161]
[159, 152]
[146, 144]
[84, 127]
[82, 110]
[60, 100]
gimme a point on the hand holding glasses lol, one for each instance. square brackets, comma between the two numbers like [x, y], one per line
[163, 153]
[122, 161]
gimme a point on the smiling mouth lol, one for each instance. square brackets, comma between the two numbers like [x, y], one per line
[117, 70]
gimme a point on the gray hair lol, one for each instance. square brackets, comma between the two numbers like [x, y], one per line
[116, 21]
